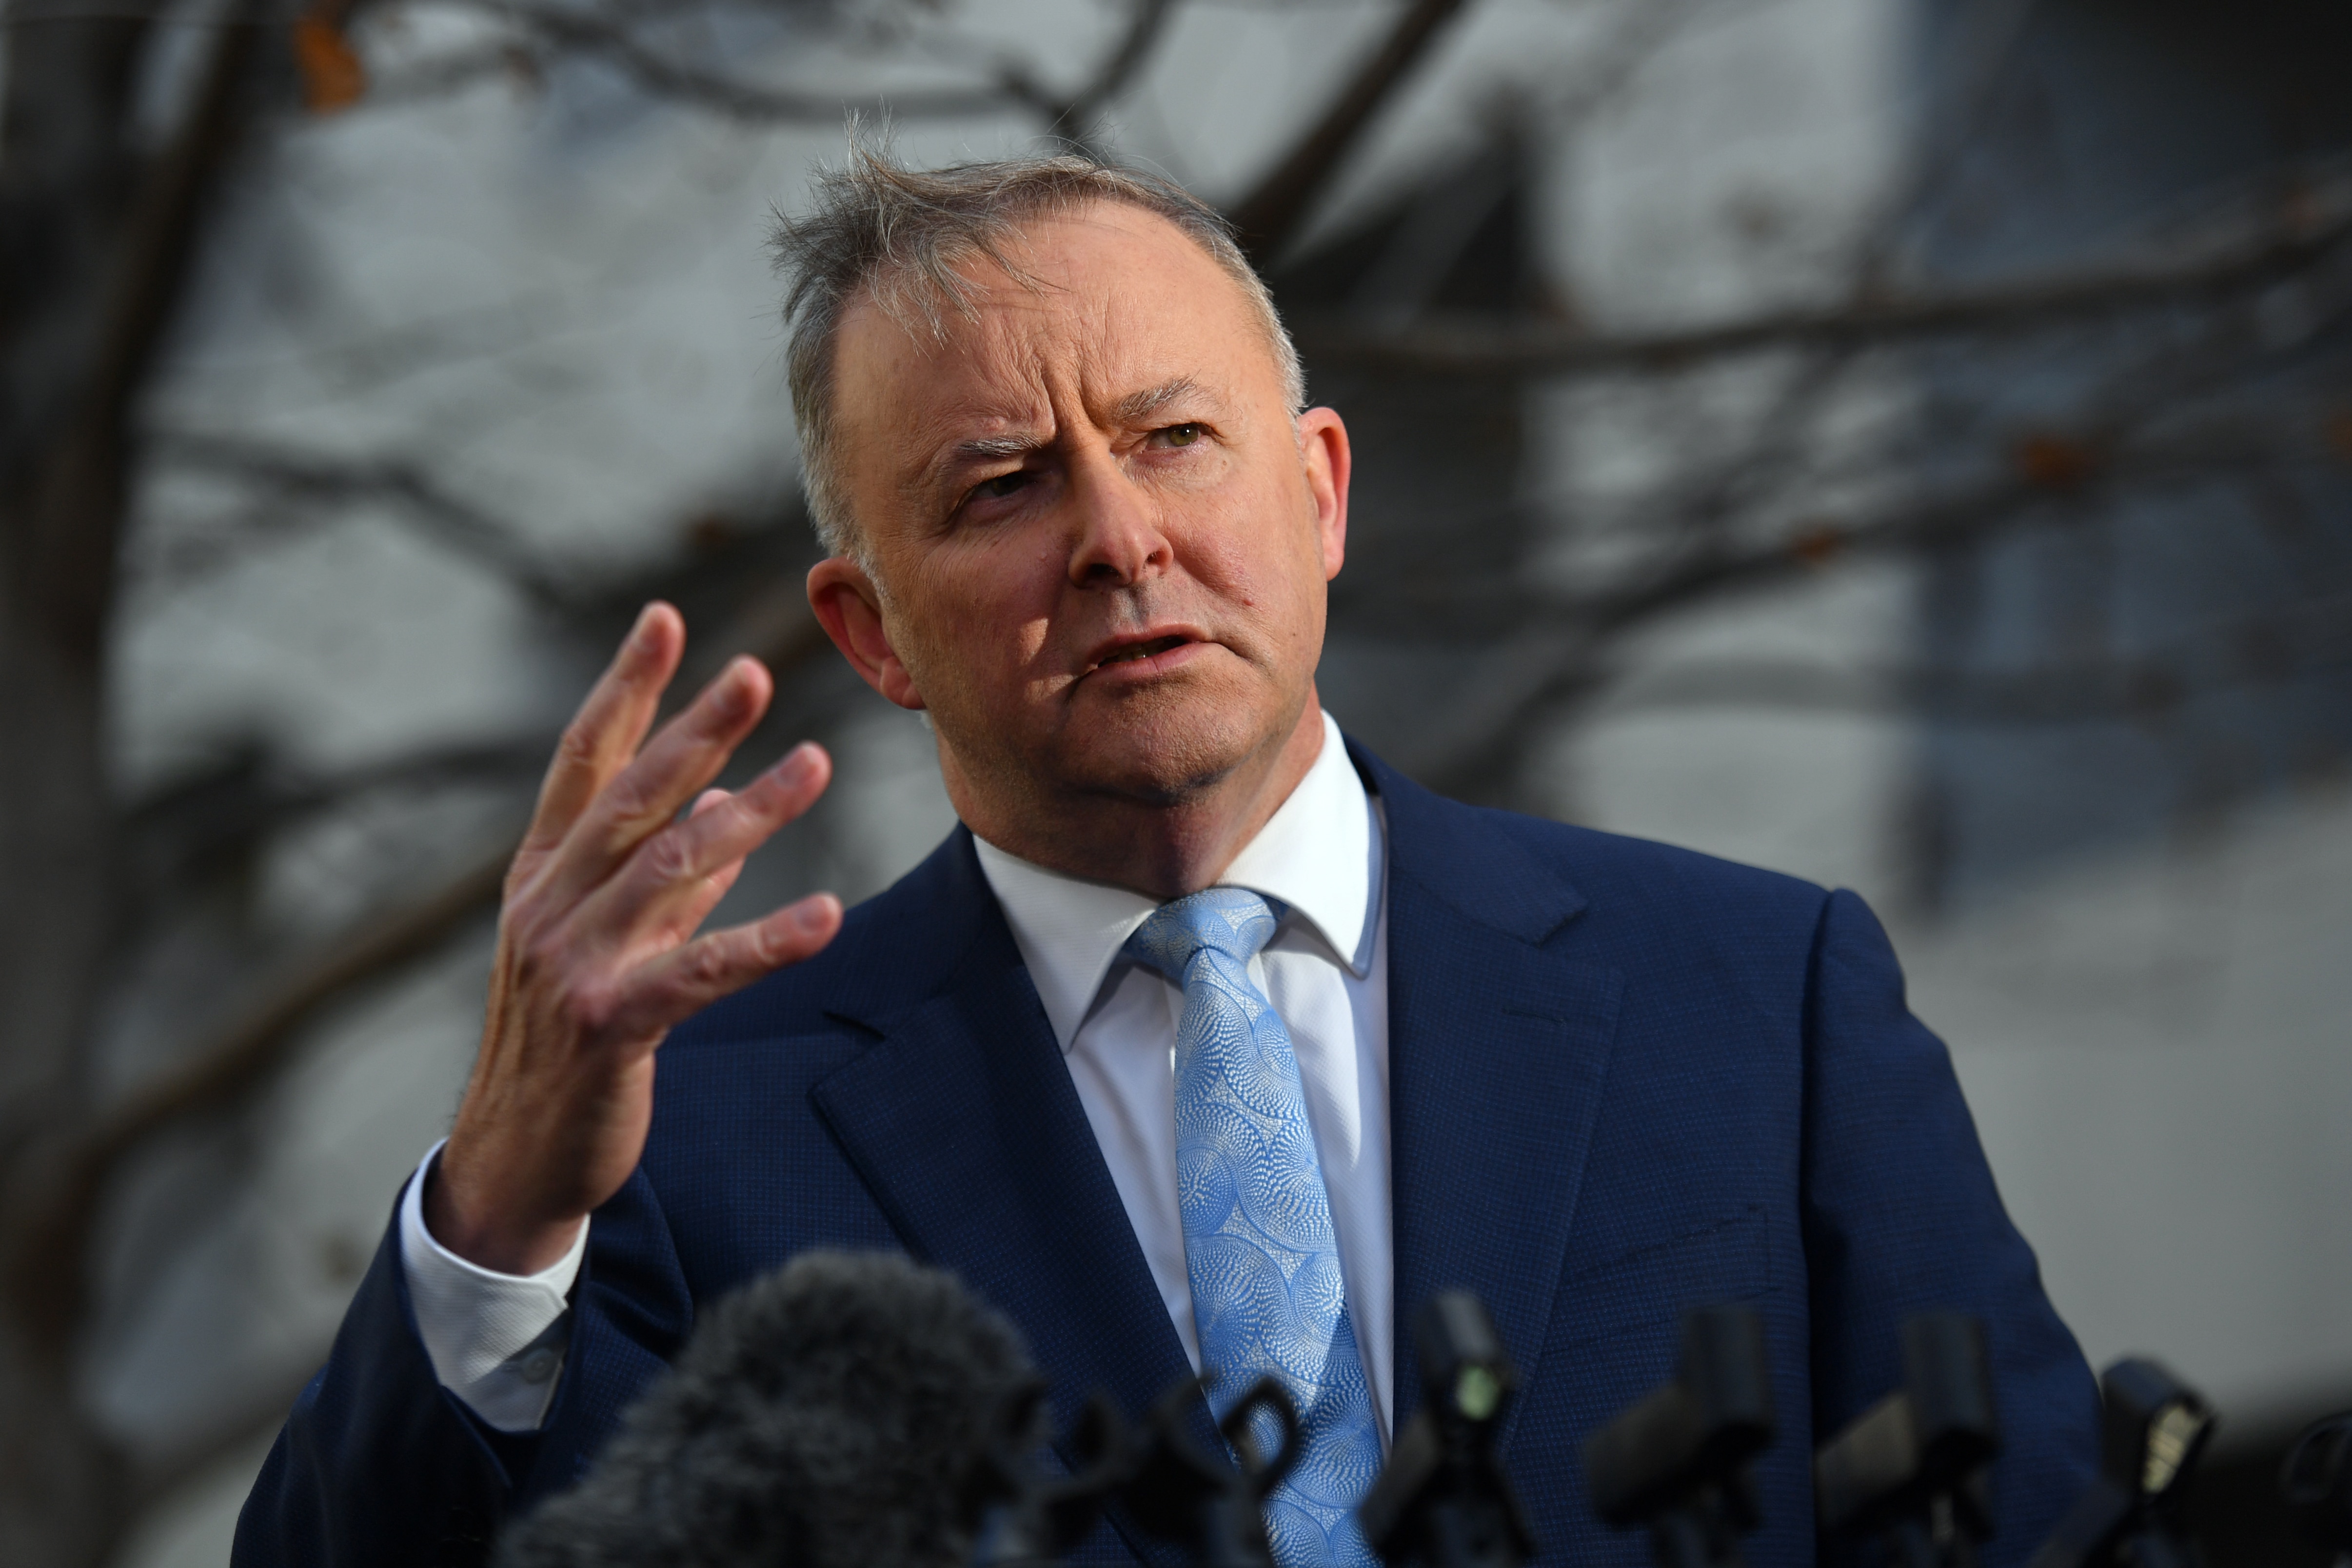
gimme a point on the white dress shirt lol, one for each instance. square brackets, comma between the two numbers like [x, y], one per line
[495, 1339]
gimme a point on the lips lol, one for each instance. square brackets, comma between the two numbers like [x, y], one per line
[1141, 650]
[1155, 650]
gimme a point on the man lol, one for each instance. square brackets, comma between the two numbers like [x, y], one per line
[1207, 1039]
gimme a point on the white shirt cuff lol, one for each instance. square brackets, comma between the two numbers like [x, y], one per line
[496, 1340]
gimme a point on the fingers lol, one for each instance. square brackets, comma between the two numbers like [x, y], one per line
[715, 885]
[683, 756]
[668, 881]
[612, 719]
[671, 988]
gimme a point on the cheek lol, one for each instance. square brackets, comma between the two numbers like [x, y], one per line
[983, 606]
[1264, 552]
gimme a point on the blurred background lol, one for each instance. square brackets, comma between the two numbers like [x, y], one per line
[1904, 443]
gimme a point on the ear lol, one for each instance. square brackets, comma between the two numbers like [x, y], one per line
[849, 607]
[1323, 450]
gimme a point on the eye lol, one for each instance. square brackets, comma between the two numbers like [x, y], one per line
[1000, 486]
[1180, 435]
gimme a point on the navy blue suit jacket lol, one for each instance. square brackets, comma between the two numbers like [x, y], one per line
[1624, 1079]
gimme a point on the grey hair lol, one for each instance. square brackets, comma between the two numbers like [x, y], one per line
[898, 236]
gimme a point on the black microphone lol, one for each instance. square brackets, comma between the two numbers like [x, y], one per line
[847, 1411]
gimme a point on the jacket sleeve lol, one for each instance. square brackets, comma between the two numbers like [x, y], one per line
[378, 1464]
[1901, 1215]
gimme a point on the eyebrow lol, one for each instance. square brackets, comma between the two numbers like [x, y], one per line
[1138, 406]
[988, 448]
[1135, 408]
[942, 469]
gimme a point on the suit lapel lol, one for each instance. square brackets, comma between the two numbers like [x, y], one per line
[1497, 1049]
[962, 1121]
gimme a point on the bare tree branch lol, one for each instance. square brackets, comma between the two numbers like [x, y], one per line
[1013, 86]
[1555, 655]
[563, 28]
[1538, 347]
[312, 477]
[1272, 212]
[2311, 639]
[51, 1246]
[210, 823]
[1076, 116]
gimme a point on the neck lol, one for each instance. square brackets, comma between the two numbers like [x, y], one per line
[1161, 850]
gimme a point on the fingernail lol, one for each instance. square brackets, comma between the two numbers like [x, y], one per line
[812, 914]
[793, 770]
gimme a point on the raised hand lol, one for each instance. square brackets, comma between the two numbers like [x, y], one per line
[597, 956]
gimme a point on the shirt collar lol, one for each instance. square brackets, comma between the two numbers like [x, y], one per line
[1318, 854]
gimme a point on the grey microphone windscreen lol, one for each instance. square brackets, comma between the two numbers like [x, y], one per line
[831, 1415]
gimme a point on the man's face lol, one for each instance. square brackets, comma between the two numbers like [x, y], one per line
[1104, 539]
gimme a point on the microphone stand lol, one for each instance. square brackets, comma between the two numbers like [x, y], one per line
[2155, 1427]
[1178, 1492]
[2316, 1483]
[1166, 1482]
[1443, 1501]
[1034, 1523]
[1910, 1469]
[1677, 1461]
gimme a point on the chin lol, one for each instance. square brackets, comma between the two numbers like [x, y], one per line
[1165, 752]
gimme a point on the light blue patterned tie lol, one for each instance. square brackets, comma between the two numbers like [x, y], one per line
[1267, 1298]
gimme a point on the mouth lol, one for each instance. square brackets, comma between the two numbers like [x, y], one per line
[1134, 651]
[1142, 651]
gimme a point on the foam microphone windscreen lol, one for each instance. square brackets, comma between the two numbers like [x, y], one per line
[831, 1414]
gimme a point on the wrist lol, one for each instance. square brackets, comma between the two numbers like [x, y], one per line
[487, 1234]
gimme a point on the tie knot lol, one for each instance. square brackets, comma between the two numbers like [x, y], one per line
[1233, 921]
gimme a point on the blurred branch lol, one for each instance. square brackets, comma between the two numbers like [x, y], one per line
[165, 227]
[2308, 639]
[1271, 213]
[49, 1249]
[1982, 53]
[1076, 116]
[2047, 470]
[443, 517]
[1013, 86]
[1546, 348]
[589, 33]
[1555, 655]
[212, 821]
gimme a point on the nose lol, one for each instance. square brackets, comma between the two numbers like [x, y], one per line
[1119, 540]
